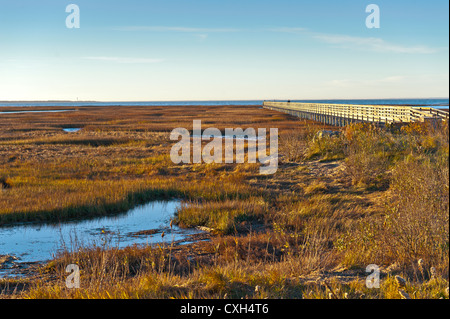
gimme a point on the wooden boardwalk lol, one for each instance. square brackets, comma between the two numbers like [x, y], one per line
[344, 114]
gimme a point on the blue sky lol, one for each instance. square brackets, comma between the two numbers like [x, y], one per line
[217, 50]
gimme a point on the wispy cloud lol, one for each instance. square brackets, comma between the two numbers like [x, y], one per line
[174, 29]
[352, 83]
[288, 29]
[371, 44]
[390, 80]
[123, 60]
[202, 37]
[358, 43]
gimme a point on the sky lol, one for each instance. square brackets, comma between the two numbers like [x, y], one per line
[171, 50]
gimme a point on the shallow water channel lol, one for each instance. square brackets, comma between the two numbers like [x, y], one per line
[143, 225]
[43, 111]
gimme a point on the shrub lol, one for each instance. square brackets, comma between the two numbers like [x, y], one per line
[417, 226]
[293, 145]
[415, 223]
[367, 154]
[327, 148]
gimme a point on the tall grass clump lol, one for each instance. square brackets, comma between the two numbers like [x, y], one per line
[326, 147]
[367, 154]
[293, 145]
[224, 217]
[417, 226]
[415, 222]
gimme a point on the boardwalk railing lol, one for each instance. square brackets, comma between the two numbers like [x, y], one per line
[344, 114]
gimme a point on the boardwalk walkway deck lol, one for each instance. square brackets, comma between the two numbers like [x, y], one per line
[344, 114]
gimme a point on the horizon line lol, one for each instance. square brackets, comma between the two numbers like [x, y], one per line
[220, 100]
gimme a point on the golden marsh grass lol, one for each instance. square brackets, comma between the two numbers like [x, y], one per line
[334, 206]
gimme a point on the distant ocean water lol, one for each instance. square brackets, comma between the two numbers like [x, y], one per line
[443, 103]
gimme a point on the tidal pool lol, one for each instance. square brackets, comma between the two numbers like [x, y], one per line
[142, 225]
[71, 130]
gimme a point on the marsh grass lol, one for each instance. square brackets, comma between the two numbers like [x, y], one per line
[224, 217]
[328, 148]
[278, 236]
[417, 226]
[414, 222]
